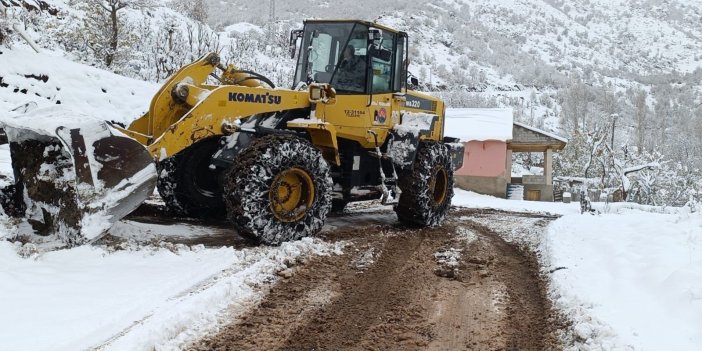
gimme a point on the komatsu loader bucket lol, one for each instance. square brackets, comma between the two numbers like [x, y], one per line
[75, 175]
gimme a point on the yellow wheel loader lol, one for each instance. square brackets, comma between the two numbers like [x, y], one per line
[274, 161]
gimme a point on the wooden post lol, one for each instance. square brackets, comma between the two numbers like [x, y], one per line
[548, 166]
[508, 166]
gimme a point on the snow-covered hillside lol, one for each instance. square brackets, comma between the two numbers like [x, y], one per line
[629, 70]
[644, 36]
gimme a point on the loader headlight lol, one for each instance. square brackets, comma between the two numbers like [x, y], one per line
[315, 93]
[322, 93]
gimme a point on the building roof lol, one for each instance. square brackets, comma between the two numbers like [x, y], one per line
[529, 139]
[479, 124]
[537, 130]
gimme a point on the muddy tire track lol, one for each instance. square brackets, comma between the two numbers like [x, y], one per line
[528, 312]
[455, 287]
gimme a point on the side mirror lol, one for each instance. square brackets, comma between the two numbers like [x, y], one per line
[375, 37]
[383, 54]
[414, 81]
[294, 36]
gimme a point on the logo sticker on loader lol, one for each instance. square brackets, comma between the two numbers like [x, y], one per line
[380, 116]
[266, 98]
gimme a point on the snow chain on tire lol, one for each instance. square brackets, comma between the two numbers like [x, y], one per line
[273, 170]
[167, 184]
[427, 188]
[177, 176]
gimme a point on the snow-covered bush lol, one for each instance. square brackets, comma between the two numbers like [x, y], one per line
[645, 177]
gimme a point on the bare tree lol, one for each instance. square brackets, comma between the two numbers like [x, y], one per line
[105, 28]
[575, 101]
[640, 118]
[4, 24]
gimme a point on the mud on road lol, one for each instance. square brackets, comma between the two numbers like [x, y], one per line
[456, 287]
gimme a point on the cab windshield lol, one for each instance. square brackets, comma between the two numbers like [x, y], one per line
[334, 53]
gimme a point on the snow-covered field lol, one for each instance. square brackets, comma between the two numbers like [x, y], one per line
[139, 298]
[636, 274]
[630, 277]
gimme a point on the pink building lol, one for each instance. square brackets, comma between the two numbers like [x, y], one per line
[485, 133]
[490, 137]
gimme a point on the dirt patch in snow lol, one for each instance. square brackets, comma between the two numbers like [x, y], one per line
[456, 287]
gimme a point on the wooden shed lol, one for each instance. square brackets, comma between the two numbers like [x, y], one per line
[530, 139]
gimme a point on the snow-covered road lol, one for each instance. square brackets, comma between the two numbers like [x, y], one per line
[630, 278]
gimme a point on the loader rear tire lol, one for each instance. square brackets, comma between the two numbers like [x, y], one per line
[427, 188]
[187, 184]
[338, 205]
[279, 189]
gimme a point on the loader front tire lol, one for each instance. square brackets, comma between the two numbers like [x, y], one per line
[279, 189]
[187, 184]
[427, 188]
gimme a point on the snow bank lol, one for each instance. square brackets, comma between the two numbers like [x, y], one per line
[50, 80]
[630, 278]
[137, 299]
[639, 273]
[475, 200]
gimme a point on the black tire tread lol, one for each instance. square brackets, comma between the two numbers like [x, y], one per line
[174, 174]
[416, 204]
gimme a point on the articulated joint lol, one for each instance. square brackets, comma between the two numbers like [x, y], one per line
[180, 93]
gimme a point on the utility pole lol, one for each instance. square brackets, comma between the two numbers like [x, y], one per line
[614, 117]
[271, 22]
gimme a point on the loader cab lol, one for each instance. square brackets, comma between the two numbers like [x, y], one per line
[355, 57]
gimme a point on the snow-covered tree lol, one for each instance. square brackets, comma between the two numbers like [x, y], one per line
[4, 25]
[105, 29]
